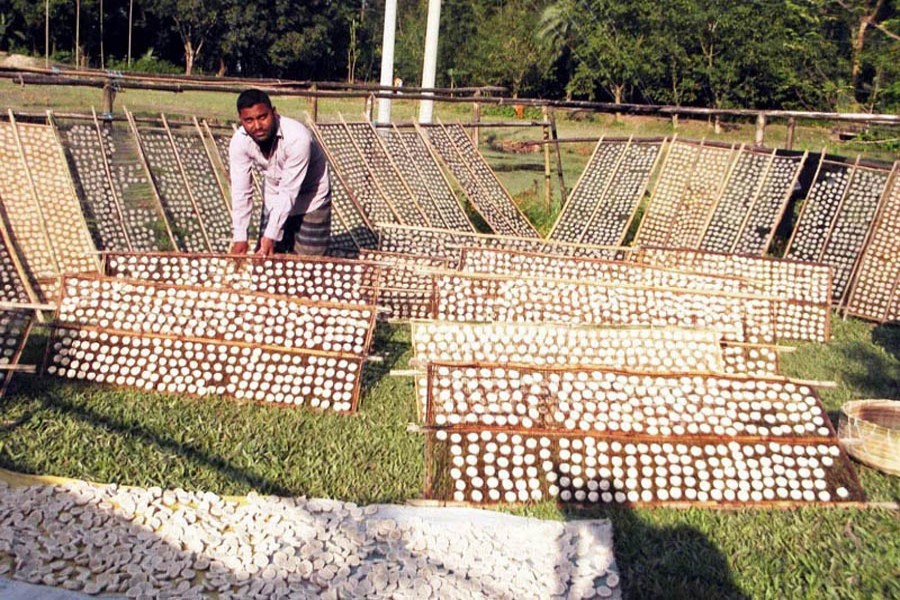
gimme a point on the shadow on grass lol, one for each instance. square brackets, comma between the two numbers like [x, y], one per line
[390, 351]
[665, 562]
[876, 376]
[887, 336]
[190, 452]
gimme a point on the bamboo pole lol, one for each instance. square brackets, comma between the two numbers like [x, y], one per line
[187, 184]
[837, 211]
[559, 167]
[546, 148]
[754, 198]
[146, 164]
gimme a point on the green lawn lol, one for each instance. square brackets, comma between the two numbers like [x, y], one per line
[96, 433]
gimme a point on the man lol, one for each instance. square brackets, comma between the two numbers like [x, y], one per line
[296, 215]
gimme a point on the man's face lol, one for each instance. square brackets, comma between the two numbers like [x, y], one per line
[259, 121]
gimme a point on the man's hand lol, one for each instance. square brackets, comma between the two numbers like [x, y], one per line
[266, 247]
[239, 248]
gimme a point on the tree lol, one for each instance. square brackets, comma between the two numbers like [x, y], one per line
[866, 15]
[196, 21]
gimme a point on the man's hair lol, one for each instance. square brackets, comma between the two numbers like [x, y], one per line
[252, 97]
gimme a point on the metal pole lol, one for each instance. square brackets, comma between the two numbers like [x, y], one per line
[77, 33]
[130, 13]
[387, 59]
[47, 33]
[429, 66]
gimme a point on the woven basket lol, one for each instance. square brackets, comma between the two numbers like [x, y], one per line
[870, 431]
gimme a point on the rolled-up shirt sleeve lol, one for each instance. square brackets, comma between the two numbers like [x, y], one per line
[240, 164]
[281, 194]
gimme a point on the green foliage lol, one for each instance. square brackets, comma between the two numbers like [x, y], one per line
[147, 63]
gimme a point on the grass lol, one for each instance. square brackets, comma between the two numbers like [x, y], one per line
[96, 433]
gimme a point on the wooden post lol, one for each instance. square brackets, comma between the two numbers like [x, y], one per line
[370, 107]
[315, 103]
[791, 127]
[559, 167]
[476, 118]
[545, 135]
[109, 97]
[760, 130]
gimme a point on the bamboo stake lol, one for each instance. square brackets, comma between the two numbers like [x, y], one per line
[559, 167]
[641, 191]
[13, 253]
[187, 184]
[139, 144]
[720, 191]
[754, 198]
[676, 218]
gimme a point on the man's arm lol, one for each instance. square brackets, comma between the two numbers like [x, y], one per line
[241, 193]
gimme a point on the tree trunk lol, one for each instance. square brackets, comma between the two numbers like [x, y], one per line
[618, 92]
[188, 57]
[222, 68]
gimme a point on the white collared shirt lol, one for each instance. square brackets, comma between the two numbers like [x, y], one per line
[296, 177]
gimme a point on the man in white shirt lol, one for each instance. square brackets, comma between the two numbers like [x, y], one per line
[297, 209]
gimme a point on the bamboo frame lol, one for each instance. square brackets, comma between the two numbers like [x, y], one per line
[238, 259]
[12, 251]
[396, 171]
[892, 182]
[590, 260]
[372, 175]
[212, 164]
[70, 184]
[291, 300]
[139, 144]
[336, 170]
[605, 191]
[428, 189]
[837, 210]
[784, 202]
[34, 196]
[654, 196]
[17, 355]
[187, 184]
[436, 157]
[567, 202]
[495, 179]
[109, 179]
[354, 402]
[873, 224]
[720, 191]
[842, 466]
[643, 189]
